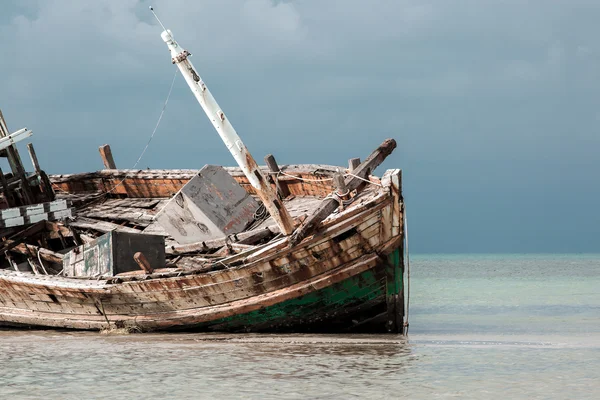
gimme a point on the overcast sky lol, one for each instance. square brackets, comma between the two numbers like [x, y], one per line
[495, 105]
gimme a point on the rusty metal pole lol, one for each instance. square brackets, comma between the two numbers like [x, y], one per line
[229, 136]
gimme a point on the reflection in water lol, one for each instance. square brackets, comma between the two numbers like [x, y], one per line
[224, 366]
[483, 327]
[60, 365]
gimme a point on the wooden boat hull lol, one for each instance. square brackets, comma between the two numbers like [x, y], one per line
[357, 303]
[346, 277]
[351, 299]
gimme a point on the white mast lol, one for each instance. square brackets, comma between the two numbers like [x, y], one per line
[229, 135]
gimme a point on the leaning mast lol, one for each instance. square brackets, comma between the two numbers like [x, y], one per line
[236, 147]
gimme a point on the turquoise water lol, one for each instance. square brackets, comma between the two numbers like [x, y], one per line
[506, 294]
[481, 326]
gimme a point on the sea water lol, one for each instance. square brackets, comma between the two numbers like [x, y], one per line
[481, 326]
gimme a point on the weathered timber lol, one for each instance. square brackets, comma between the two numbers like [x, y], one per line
[10, 200]
[353, 163]
[165, 183]
[85, 238]
[64, 230]
[16, 165]
[137, 217]
[249, 237]
[282, 188]
[45, 182]
[356, 181]
[101, 226]
[33, 156]
[340, 184]
[45, 254]
[23, 235]
[143, 262]
[254, 236]
[107, 157]
[47, 186]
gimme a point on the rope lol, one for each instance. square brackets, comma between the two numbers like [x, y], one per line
[304, 179]
[327, 179]
[41, 263]
[162, 112]
[362, 179]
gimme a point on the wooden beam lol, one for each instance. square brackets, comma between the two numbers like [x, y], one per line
[44, 181]
[107, 157]
[282, 189]
[33, 156]
[356, 181]
[6, 191]
[340, 184]
[353, 163]
[16, 165]
[244, 238]
[23, 235]
[100, 226]
[45, 254]
[143, 262]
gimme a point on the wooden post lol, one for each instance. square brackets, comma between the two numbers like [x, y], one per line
[34, 160]
[340, 185]
[107, 157]
[44, 181]
[142, 261]
[11, 261]
[353, 163]
[329, 205]
[282, 190]
[7, 194]
[16, 165]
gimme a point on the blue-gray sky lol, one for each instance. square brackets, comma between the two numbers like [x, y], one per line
[495, 105]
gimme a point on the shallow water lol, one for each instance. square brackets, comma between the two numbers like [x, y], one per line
[517, 327]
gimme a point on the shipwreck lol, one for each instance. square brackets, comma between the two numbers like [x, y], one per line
[274, 248]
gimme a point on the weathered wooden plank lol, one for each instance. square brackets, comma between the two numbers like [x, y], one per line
[107, 157]
[16, 165]
[10, 200]
[282, 189]
[23, 235]
[143, 262]
[33, 156]
[353, 163]
[118, 213]
[100, 226]
[353, 182]
[45, 254]
[248, 237]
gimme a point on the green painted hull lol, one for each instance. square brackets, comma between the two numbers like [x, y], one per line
[371, 301]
